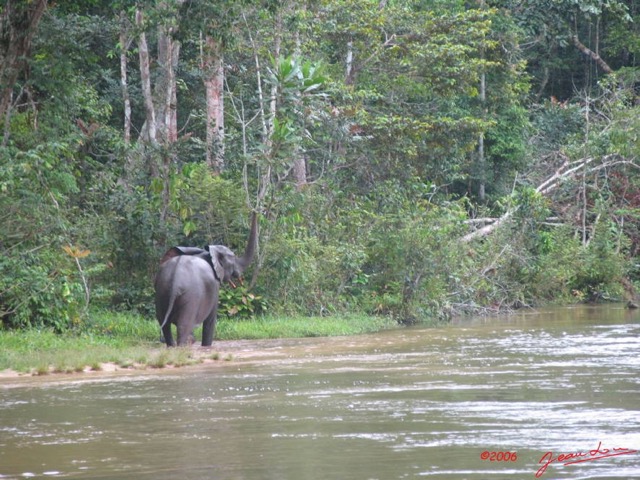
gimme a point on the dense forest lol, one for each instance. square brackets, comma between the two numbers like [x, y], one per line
[411, 158]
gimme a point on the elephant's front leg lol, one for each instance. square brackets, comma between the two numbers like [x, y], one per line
[209, 324]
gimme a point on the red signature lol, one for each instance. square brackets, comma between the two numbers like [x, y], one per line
[580, 457]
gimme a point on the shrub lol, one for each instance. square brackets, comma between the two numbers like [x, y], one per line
[39, 289]
[412, 261]
[239, 302]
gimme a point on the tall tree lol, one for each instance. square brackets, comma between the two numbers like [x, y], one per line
[160, 99]
[125, 41]
[149, 131]
[18, 24]
[566, 40]
[212, 66]
[216, 26]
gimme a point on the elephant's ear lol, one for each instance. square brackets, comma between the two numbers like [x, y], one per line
[218, 270]
[177, 251]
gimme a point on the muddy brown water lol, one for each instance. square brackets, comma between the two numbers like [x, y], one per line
[477, 399]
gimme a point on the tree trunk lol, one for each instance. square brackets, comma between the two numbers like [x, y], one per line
[270, 116]
[482, 161]
[149, 131]
[273, 103]
[125, 43]
[264, 177]
[349, 78]
[165, 95]
[173, 98]
[213, 70]
[300, 171]
[299, 158]
[18, 23]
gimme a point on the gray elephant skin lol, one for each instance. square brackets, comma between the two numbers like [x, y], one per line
[188, 284]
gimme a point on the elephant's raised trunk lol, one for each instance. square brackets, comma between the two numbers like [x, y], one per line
[249, 253]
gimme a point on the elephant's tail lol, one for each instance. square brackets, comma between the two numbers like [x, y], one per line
[172, 299]
[168, 287]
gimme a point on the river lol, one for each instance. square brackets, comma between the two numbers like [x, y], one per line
[553, 393]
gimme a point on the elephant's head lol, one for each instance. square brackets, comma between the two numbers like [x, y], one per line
[226, 264]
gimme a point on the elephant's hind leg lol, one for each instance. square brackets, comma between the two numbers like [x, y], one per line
[168, 336]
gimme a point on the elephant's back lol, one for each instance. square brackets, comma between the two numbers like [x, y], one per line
[183, 273]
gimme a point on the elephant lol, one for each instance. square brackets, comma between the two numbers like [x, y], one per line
[187, 286]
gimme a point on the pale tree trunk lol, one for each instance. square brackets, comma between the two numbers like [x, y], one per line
[273, 103]
[268, 117]
[160, 102]
[165, 89]
[349, 78]
[213, 71]
[351, 67]
[171, 94]
[273, 110]
[262, 114]
[18, 23]
[482, 161]
[299, 159]
[166, 107]
[300, 171]
[160, 129]
[149, 130]
[125, 44]
[256, 59]
[584, 172]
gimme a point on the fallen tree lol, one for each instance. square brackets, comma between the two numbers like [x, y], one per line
[569, 170]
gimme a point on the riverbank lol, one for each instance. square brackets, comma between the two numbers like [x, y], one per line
[110, 342]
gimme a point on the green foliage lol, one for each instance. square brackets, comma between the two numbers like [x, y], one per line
[412, 260]
[554, 123]
[211, 209]
[566, 270]
[40, 285]
[400, 261]
[383, 105]
[240, 303]
[129, 247]
[604, 264]
[36, 294]
[313, 264]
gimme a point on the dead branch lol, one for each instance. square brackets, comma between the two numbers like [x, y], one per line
[473, 221]
[591, 54]
[567, 171]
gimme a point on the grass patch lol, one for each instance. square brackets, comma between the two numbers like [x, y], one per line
[176, 357]
[44, 350]
[297, 327]
[132, 341]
